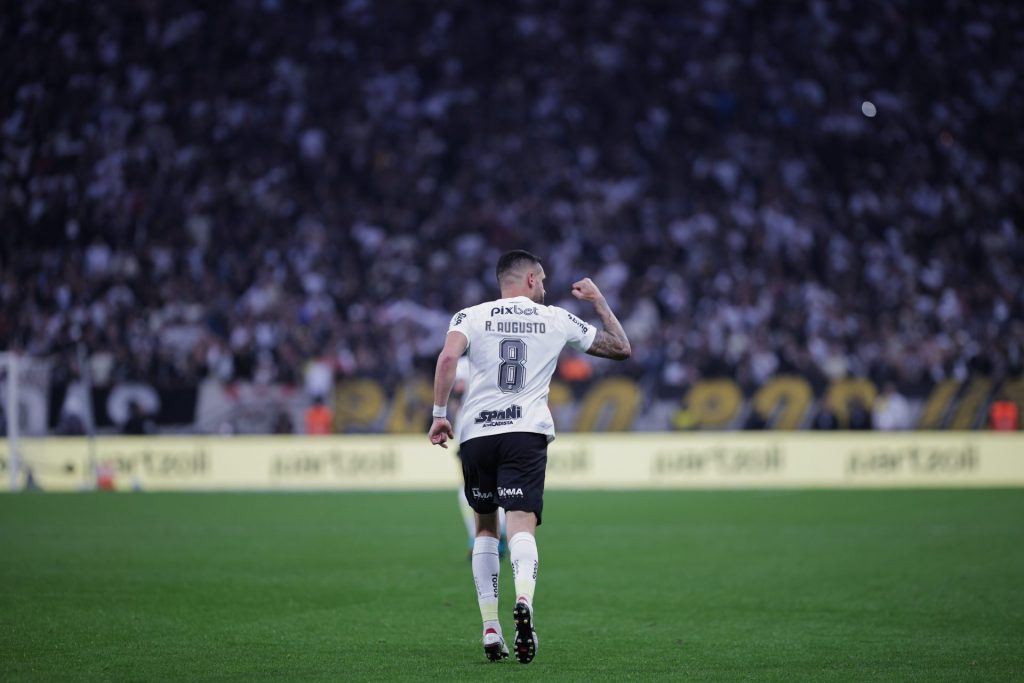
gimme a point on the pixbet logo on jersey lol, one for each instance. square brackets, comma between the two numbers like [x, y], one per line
[495, 418]
[513, 310]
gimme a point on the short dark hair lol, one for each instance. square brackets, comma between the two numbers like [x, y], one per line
[513, 260]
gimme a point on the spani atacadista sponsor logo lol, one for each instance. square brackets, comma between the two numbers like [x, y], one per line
[497, 418]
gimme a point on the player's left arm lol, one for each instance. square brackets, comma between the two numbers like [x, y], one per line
[455, 344]
[610, 342]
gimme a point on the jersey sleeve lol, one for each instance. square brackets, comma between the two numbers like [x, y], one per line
[578, 334]
[461, 323]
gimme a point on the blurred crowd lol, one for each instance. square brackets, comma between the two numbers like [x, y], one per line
[290, 192]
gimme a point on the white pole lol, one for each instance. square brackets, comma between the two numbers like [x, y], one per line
[14, 463]
[90, 419]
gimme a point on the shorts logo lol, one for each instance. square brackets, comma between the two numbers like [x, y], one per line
[513, 310]
[509, 493]
[497, 418]
[478, 495]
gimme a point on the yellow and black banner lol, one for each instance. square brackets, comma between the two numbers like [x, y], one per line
[576, 461]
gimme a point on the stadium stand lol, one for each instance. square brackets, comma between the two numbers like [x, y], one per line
[254, 191]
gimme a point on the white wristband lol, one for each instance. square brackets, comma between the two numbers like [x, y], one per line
[440, 411]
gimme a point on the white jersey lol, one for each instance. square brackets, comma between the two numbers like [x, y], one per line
[461, 376]
[513, 350]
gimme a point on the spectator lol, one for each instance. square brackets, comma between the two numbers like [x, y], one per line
[858, 415]
[891, 411]
[1004, 416]
[283, 423]
[319, 418]
[70, 423]
[825, 419]
[139, 422]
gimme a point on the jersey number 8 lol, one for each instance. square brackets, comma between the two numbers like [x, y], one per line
[512, 372]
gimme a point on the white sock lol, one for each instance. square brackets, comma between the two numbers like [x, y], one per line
[522, 550]
[485, 576]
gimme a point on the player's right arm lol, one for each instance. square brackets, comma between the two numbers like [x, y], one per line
[455, 344]
[610, 342]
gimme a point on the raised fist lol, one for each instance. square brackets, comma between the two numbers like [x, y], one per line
[586, 290]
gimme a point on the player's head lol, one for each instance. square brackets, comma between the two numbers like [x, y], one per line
[520, 273]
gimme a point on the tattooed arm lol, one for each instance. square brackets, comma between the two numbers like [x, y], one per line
[610, 342]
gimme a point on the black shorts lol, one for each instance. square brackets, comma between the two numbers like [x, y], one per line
[505, 470]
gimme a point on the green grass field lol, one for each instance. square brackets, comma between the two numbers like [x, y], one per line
[833, 585]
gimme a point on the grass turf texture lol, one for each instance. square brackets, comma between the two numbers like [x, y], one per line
[897, 585]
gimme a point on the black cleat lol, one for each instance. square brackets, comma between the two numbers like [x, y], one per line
[526, 636]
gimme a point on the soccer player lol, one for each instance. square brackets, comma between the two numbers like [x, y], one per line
[513, 345]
